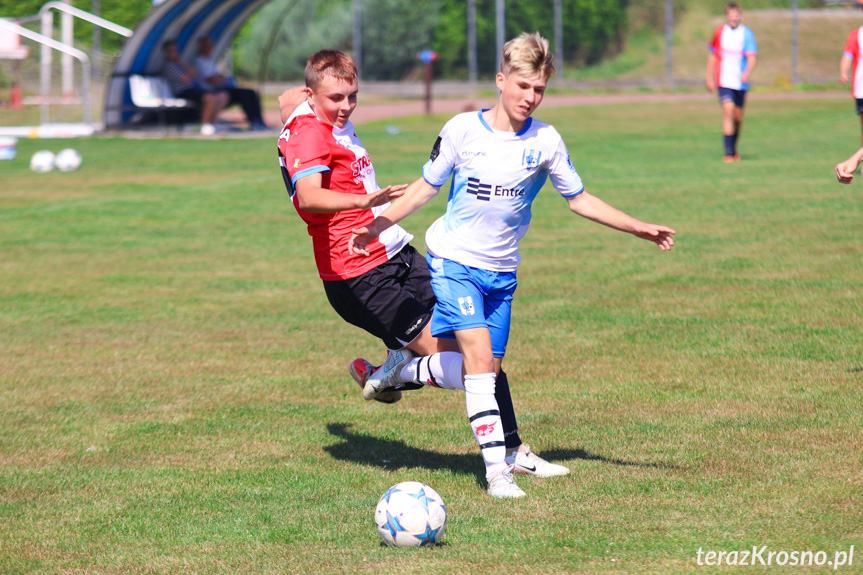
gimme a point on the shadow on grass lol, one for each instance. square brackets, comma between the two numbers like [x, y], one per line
[391, 455]
[561, 454]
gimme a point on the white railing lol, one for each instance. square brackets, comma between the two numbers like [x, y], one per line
[47, 18]
[50, 43]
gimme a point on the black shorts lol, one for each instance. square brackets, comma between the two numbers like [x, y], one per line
[393, 301]
[731, 95]
[859, 102]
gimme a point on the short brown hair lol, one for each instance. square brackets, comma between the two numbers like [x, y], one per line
[330, 63]
[527, 55]
[733, 6]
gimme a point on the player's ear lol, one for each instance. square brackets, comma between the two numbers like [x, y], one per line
[500, 80]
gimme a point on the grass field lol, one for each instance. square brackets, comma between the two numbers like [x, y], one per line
[174, 395]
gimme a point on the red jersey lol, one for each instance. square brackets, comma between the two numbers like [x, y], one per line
[852, 50]
[308, 146]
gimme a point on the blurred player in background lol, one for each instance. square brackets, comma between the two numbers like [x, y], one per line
[387, 290]
[499, 159]
[851, 71]
[732, 57]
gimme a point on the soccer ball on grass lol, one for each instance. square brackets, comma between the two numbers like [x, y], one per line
[410, 514]
[68, 160]
[42, 161]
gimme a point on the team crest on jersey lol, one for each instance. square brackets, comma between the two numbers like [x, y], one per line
[297, 162]
[530, 158]
[466, 305]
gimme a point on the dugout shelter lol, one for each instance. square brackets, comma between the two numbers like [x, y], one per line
[183, 21]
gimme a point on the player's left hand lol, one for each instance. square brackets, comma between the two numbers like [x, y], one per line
[845, 172]
[359, 241]
[660, 235]
[384, 195]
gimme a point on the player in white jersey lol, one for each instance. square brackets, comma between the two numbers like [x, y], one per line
[733, 53]
[499, 159]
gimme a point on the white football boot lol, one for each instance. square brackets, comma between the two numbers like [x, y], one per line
[526, 462]
[361, 369]
[388, 375]
[502, 485]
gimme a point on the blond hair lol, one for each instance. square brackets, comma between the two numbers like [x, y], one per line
[329, 63]
[527, 55]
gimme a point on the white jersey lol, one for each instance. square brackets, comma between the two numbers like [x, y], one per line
[495, 178]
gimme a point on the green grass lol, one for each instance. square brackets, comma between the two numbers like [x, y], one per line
[174, 398]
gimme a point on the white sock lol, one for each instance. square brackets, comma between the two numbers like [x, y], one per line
[484, 416]
[441, 370]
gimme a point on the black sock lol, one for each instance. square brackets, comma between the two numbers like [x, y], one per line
[507, 413]
[729, 145]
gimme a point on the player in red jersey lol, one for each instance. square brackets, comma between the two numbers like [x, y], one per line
[851, 71]
[332, 184]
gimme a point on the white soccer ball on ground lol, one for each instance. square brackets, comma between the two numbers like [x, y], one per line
[410, 514]
[42, 161]
[68, 160]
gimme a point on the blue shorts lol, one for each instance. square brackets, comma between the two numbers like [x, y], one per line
[859, 105]
[469, 297]
[731, 95]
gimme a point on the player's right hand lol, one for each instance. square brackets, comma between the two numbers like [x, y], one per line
[845, 172]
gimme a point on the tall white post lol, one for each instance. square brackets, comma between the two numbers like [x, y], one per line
[45, 61]
[68, 38]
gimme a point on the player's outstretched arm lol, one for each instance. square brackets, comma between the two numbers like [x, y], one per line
[290, 99]
[315, 199]
[415, 196]
[845, 170]
[595, 210]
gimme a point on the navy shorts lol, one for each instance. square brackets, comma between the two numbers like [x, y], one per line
[730, 95]
[393, 301]
[859, 102]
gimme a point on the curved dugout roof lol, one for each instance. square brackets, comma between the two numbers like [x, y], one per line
[181, 20]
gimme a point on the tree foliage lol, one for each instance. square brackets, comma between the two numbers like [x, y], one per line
[591, 29]
[277, 41]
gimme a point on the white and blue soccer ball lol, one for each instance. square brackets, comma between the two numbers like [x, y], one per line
[410, 514]
[68, 160]
[42, 161]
